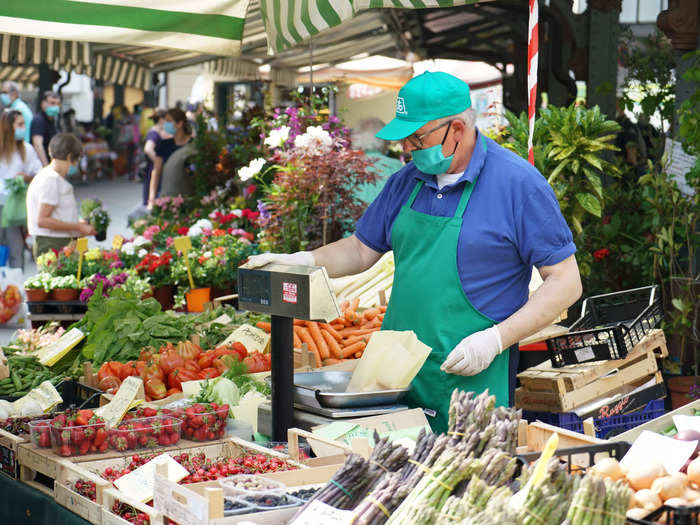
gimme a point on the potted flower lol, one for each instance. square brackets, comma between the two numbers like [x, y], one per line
[156, 268]
[37, 287]
[64, 288]
[202, 268]
[92, 211]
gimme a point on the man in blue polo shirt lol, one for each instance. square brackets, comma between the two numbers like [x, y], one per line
[467, 220]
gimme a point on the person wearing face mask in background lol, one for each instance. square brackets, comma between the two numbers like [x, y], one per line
[467, 220]
[43, 126]
[9, 96]
[17, 159]
[169, 176]
[52, 211]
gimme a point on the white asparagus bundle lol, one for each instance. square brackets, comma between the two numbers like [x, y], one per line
[368, 284]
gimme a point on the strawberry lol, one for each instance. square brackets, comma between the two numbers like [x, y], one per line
[100, 436]
[102, 447]
[65, 450]
[121, 444]
[84, 447]
[44, 440]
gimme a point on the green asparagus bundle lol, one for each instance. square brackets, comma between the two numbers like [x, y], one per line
[599, 501]
[377, 506]
[547, 501]
[497, 511]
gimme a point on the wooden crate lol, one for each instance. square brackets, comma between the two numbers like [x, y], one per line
[9, 445]
[66, 496]
[545, 388]
[109, 518]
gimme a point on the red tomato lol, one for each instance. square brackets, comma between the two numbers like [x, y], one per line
[192, 366]
[155, 388]
[152, 371]
[109, 384]
[110, 368]
[208, 373]
[170, 361]
[172, 391]
[206, 358]
[188, 350]
[131, 369]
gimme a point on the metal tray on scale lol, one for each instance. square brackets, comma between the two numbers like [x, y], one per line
[327, 389]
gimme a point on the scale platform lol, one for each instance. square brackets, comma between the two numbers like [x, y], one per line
[343, 413]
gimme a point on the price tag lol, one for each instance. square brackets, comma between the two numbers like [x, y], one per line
[114, 411]
[183, 244]
[319, 512]
[584, 354]
[252, 337]
[45, 395]
[117, 242]
[81, 246]
[139, 483]
[51, 354]
[671, 453]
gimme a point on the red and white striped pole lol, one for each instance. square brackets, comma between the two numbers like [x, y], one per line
[533, 45]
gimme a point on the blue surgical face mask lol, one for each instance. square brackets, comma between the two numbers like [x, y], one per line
[5, 99]
[20, 133]
[169, 127]
[72, 169]
[431, 160]
[52, 111]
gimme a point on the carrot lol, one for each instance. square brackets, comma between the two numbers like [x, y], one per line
[332, 361]
[348, 332]
[299, 322]
[355, 303]
[344, 305]
[370, 313]
[331, 331]
[350, 350]
[305, 336]
[358, 354]
[317, 358]
[297, 341]
[382, 308]
[264, 326]
[354, 339]
[351, 316]
[315, 332]
[333, 345]
[337, 324]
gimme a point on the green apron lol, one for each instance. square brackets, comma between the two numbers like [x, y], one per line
[427, 297]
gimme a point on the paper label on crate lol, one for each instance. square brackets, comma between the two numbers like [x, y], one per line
[684, 422]
[252, 337]
[114, 411]
[50, 355]
[584, 354]
[45, 395]
[178, 503]
[671, 453]
[139, 483]
[318, 512]
[192, 388]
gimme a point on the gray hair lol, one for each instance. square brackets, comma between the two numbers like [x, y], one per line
[12, 87]
[468, 116]
[64, 145]
[363, 135]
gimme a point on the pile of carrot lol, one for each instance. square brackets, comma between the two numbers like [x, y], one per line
[343, 338]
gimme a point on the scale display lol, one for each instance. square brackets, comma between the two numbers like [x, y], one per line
[255, 288]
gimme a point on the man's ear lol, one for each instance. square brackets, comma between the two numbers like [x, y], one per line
[459, 129]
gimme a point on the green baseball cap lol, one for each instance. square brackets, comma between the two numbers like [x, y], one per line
[424, 98]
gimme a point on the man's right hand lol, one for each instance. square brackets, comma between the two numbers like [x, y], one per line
[295, 259]
[86, 229]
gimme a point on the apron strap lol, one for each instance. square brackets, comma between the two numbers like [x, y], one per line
[414, 194]
[468, 188]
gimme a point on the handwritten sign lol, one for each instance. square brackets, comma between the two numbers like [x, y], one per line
[45, 395]
[81, 246]
[117, 242]
[139, 483]
[114, 411]
[671, 453]
[51, 354]
[319, 512]
[252, 337]
[183, 244]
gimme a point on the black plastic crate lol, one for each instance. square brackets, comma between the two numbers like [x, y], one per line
[616, 449]
[609, 327]
[670, 516]
[57, 307]
[74, 394]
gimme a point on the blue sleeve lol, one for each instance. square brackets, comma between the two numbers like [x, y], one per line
[374, 227]
[544, 238]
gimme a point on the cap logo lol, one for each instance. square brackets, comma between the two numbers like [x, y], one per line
[400, 106]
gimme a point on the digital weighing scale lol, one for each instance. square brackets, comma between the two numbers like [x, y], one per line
[287, 292]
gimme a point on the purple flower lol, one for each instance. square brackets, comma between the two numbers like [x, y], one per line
[116, 264]
[86, 294]
[264, 213]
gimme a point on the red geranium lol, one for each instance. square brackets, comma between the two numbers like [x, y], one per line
[601, 254]
[183, 230]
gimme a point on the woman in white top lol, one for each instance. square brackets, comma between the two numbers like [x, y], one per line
[52, 211]
[17, 158]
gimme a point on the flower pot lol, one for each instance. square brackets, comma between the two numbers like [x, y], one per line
[197, 298]
[36, 295]
[64, 294]
[680, 388]
[101, 236]
[164, 295]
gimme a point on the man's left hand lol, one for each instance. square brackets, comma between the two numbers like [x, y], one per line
[474, 353]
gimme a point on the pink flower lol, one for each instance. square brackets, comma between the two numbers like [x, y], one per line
[169, 242]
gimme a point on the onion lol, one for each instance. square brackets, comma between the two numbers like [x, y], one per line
[608, 468]
[690, 435]
[668, 487]
[637, 513]
[643, 475]
[677, 502]
[694, 471]
[691, 494]
[646, 499]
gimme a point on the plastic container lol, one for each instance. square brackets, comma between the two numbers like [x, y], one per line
[40, 432]
[671, 516]
[239, 429]
[241, 507]
[614, 449]
[609, 327]
[270, 502]
[149, 432]
[203, 422]
[282, 446]
[244, 485]
[79, 440]
[605, 428]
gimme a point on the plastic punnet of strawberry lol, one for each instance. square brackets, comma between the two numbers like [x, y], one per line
[78, 433]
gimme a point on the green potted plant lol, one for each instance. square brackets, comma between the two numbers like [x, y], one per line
[65, 288]
[91, 210]
[37, 287]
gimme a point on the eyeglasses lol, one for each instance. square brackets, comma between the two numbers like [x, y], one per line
[417, 140]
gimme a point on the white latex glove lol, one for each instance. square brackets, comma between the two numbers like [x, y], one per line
[297, 259]
[474, 353]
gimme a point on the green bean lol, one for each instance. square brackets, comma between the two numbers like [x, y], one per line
[16, 380]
